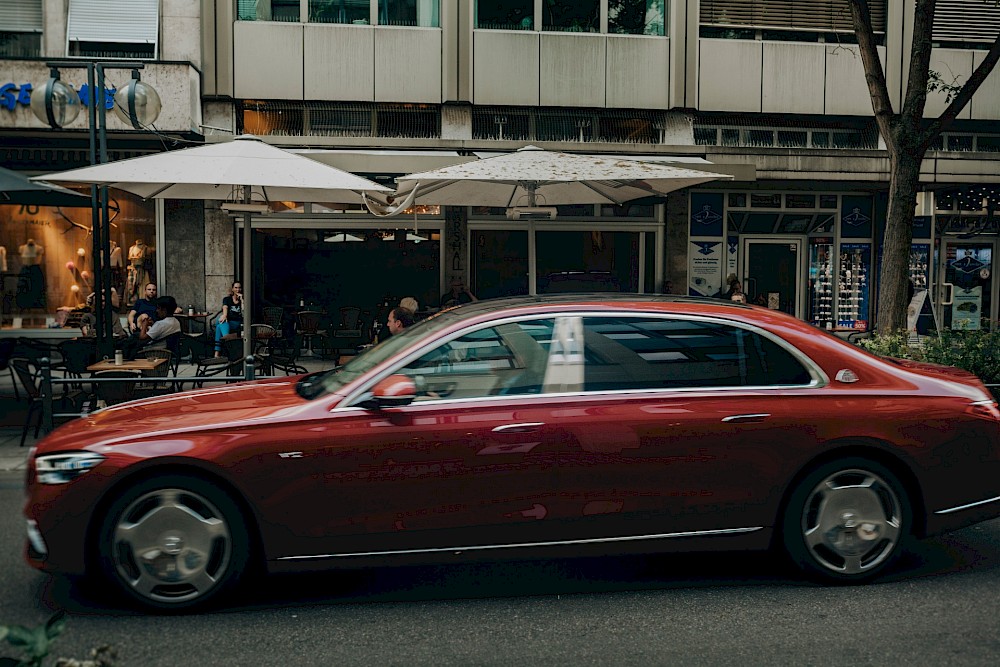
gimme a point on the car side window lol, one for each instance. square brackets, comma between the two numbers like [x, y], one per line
[651, 353]
[504, 359]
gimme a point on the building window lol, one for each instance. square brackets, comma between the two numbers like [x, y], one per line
[632, 126]
[807, 19]
[571, 16]
[637, 17]
[329, 119]
[21, 32]
[966, 23]
[505, 14]
[350, 12]
[113, 28]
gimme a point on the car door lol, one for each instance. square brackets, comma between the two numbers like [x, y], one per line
[465, 457]
[681, 427]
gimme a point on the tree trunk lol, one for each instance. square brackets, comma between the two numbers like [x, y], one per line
[895, 277]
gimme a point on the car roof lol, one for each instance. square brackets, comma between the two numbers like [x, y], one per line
[595, 299]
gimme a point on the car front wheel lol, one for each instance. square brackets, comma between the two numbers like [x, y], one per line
[846, 521]
[173, 542]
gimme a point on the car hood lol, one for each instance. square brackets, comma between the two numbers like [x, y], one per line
[220, 407]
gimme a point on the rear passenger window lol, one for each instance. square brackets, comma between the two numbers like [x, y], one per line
[651, 353]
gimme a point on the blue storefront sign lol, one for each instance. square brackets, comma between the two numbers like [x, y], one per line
[12, 95]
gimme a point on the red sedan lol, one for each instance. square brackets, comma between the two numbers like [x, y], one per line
[560, 425]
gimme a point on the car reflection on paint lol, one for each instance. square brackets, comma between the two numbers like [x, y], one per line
[526, 427]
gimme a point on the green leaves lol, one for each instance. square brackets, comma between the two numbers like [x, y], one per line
[977, 351]
[36, 642]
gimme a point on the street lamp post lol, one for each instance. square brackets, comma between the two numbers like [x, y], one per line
[57, 105]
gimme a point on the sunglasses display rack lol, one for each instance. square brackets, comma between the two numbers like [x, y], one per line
[821, 294]
[852, 297]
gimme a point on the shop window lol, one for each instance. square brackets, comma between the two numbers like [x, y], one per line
[586, 261]
[737, 199]
[47, 257]
[505, 14]
[571, 16]
[765, 200]
[800, 201]
[498, 262]
[637, 17]
[828, 201]
[804, 16]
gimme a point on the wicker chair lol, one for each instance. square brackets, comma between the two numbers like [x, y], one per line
[113, 393]
[309, 329]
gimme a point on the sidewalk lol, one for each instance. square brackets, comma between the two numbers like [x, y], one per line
[13, 413]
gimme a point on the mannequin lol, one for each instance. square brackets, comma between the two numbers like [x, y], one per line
[3, 259]
[31, 281]
[117, 269]
[140, 263]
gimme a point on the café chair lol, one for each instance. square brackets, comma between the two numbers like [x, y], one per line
[309, 328]
[229, 364]
[30, 382]
[161, 371]
[6, 352]
[113, 393]
[77, 354]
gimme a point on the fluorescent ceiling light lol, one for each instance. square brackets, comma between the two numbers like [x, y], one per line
[342, 237]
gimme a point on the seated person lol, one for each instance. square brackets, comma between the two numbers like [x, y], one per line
[89, 321]
[154, 335]
[458, 294]
[144, 306]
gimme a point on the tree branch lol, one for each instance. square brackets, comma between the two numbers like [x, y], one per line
[964, 96]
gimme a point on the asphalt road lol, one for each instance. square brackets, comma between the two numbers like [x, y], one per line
[939, 607]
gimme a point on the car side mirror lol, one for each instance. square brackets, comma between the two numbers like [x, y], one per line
[394, 391]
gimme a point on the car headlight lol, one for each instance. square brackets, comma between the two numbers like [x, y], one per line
[65, 467]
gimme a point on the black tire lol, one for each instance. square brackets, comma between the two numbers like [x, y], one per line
[173, 542]
[847, 521]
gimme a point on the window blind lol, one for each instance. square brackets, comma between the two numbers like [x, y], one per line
[966, 21]
[113, 21]
[21, 15]
[819, 15]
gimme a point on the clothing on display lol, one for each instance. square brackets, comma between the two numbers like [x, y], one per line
[140, 269]
[31, 280]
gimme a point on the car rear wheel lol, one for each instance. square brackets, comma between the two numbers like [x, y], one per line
[173, 542]
[846, 521]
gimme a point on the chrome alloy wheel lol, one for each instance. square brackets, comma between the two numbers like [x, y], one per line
[852, 521]
[171, 545]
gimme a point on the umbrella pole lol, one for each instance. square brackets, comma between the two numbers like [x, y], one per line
[247, 286]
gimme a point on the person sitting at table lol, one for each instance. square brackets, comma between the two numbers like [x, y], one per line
[458, 294]
[231, 319]
[144, 306]
[409, 303]
[88, 322]
[153, 335]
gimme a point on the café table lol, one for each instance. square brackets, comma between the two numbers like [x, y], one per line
[143, 365]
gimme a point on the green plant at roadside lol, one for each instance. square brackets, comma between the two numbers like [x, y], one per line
[977, 351]
[36, 644]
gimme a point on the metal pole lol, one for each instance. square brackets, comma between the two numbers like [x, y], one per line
[46, 388]
[247, 273]
[100, 314]
[106, 342]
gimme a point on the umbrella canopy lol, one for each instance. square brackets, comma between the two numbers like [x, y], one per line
[244, 170]
[18, 189]
[533, 176]
[222, 171]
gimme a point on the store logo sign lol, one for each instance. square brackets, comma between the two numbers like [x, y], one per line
[855, 218]
[706, 247]
[12, 95]
[706, 216]
[968, 264]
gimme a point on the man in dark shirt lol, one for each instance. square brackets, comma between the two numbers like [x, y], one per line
[459, 294]
[145, 306]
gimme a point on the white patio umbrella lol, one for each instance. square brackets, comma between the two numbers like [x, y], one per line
[244, 172]
[532, 176]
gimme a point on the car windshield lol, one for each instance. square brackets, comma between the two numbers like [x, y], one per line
[332, 380]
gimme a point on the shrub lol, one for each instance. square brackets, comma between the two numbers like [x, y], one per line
[977, 351]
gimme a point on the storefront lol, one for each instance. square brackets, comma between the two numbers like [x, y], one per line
[584, 248]
[47, 263]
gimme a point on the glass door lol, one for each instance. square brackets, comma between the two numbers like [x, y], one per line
[774, 271]
[966, 288]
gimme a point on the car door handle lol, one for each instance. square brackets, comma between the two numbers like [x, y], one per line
[754, 418]
[526, 427]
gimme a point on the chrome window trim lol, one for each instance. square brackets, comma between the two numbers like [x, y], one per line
[819, 378]
[528, 545]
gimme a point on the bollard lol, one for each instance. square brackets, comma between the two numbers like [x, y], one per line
[46, 389]
[248, 369]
